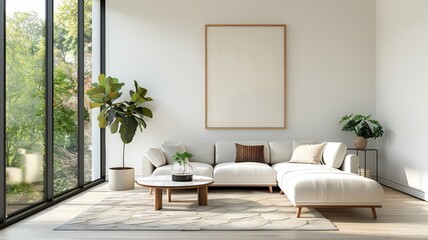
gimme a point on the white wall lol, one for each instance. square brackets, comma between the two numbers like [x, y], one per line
[160, 43]
[401, 93]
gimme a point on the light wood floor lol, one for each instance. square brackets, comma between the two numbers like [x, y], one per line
[402, 217]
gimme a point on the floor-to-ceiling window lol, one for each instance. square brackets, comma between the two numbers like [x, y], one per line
[65, 95]
[92, 149]
[25, 103]
[50, 142]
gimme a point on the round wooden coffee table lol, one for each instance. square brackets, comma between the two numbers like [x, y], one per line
[165, 182]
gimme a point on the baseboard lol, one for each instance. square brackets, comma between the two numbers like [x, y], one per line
[405, 189]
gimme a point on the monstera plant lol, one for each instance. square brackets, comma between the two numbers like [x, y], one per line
[363, 126]
[121, 116]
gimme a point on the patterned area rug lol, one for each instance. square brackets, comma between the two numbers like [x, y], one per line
[229, 209]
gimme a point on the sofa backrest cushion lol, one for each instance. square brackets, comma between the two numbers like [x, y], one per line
[156, 156]
[280, 151]
[170, 149]
[203, 152]
[334, 154]
[225, 151]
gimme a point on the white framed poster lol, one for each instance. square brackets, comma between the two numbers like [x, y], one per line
[245, 76]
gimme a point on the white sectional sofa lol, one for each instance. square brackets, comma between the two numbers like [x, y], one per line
[334, 183]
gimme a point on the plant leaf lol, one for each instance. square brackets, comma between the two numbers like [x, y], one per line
[147, 112]
[95, 90]
[128, 129]
[114, 126]
[103, 123]
[111, 115]
[102, 114]
[102, 80]
[115, 87]
[95, 105]
[113, 95]
[141, 122]
[98, 97]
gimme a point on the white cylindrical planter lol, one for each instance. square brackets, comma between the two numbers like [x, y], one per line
[121, 178]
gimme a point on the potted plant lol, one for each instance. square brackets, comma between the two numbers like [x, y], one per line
[122, 116]
[364, 127]
[182, 171]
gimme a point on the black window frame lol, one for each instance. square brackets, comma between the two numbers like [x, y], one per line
[49, 198]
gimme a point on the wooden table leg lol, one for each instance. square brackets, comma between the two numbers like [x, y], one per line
[168, 193]
[203, 196]
[158, 198]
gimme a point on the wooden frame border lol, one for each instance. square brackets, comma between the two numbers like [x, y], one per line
[206, 72]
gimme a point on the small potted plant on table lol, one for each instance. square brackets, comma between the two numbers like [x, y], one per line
[123, 116]
[182, 171]
[364, 127]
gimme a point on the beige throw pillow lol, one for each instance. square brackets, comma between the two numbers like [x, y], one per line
[310, 153]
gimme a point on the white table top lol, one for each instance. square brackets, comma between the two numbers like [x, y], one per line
[165, 181]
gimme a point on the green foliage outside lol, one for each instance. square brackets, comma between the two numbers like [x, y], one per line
[26, 92]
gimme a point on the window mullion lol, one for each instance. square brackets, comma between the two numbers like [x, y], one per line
[49, 173]
[3, 110]
[80, 93]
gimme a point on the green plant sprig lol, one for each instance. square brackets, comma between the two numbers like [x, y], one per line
[362, 126]
[182, 158]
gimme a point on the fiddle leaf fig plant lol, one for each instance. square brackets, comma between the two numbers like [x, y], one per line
[122, 116]
[363, 126]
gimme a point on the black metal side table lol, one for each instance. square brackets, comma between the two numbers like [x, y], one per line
[365, 159]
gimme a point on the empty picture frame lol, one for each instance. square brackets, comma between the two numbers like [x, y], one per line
[245, 76]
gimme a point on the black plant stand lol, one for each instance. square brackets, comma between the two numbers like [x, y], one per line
[365, 159]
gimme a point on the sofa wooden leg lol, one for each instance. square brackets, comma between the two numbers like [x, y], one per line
[281, 192]
[270, 189]
[374, 213]
[151, 191]
[299, 210]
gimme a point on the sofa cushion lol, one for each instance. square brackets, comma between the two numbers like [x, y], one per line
[201, 169]
[282, 169]
[310, 153]
[248, 173]
[334, 154]
[156, 156]
[203, 152]
[225, 151]
[170, 149]
[280, 151]
[245, 153]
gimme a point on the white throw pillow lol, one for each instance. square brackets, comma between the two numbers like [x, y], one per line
[170, 150]
[310, 153]
[156, 156]
[334, 153]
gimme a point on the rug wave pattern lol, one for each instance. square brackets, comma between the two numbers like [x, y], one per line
[227, 210]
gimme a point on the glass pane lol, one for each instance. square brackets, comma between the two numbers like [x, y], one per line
[92, 131]
[65, 95]
[25, 103]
